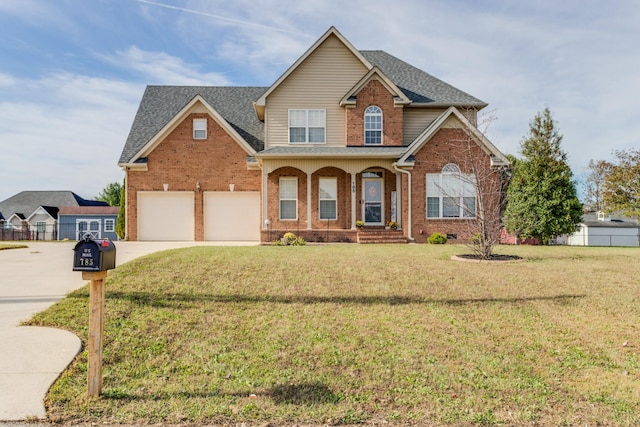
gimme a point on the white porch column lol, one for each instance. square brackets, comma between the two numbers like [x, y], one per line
[308, 201]
[354, 204]
[399, 200]
[265, 199]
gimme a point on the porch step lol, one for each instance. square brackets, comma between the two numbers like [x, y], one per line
[381, 236]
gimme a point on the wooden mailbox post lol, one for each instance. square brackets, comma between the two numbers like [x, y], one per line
[94, 258]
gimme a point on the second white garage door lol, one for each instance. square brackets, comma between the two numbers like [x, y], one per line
[232, 216]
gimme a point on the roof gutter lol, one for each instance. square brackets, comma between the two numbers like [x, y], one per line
[315, 155]
[478, 106]
[395, 166]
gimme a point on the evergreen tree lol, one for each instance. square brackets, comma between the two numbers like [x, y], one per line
[541, 198]
[120, 224]
[111, 194]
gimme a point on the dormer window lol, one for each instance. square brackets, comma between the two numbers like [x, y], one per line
[373, 125]
[307, 126]
[199, 128]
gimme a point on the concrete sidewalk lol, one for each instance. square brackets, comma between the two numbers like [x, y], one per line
[31, 280]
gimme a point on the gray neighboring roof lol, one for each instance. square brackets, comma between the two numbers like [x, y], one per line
[591, 220]
[419, 86]
[321, 150]
[160, 104]
[26, 202]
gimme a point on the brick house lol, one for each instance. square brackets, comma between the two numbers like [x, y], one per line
[343, 137]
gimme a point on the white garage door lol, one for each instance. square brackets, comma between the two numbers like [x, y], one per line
[165, 215]
[232, 216]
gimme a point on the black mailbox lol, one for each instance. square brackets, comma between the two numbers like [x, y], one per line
[94, 255]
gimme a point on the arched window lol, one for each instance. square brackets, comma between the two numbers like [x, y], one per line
[451, 194]
[373, 125]
[450, 168]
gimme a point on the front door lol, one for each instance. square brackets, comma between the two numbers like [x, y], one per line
[372, 207]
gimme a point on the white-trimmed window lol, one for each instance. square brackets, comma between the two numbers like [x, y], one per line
[109, 225]
[328, 198]
[307, 126]
[373, 125]
[41, 226]
[288, 198]
[199, 128]
[451, 194]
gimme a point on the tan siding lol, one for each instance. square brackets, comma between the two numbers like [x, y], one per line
[319, 82]
[452, 123]
[416, 121]
[470, 114]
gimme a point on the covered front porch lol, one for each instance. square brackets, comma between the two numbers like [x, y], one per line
[333, 199]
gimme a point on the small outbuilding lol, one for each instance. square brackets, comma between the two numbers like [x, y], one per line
[74, 222]
[598, 229]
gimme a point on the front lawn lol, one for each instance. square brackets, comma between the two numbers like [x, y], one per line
[5, 246]
[347, 334]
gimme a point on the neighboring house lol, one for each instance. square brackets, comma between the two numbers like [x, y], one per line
[98, 222]
[342, 136]
[598, 229]
[15, 228]
[44, 219]
[33, 215]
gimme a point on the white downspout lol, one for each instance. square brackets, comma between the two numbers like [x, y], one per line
[395, 166]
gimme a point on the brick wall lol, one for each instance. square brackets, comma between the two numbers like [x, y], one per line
[446, 146]
[273, 191]
[374, 93]
[344, 199]
[181, 162]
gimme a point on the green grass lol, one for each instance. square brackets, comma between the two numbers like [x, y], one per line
[348, 334]
[4, 246]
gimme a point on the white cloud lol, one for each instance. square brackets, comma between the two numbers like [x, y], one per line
[31, 10]
[6, 80]
[161, 68]
[64, 132]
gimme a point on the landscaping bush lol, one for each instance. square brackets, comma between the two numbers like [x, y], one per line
[290, 239]
[437, 239]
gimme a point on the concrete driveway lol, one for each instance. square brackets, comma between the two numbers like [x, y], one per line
[31, 280]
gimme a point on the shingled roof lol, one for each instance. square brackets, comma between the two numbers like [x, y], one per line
[160, 104]
[26, 202]
[420, 87]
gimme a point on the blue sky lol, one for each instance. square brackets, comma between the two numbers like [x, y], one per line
[72, 72]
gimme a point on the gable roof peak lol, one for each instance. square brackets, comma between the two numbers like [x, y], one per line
[259, 105]
[497, 158]
[197, 99]
[375, 72]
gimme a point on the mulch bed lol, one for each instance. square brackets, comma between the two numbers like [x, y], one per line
[492, 259]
